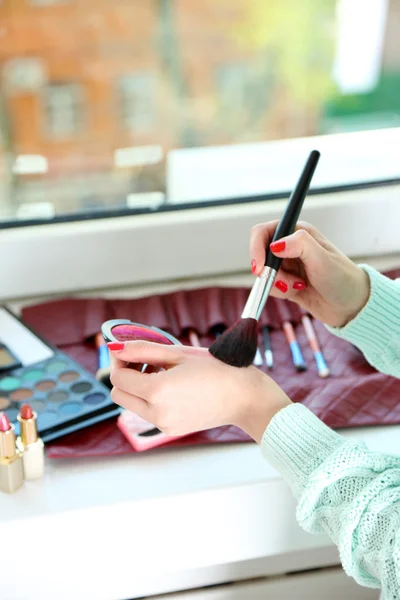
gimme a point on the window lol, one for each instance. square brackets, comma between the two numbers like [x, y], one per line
[23, 75]
[137, 102]
[63, 107]
[84, 83]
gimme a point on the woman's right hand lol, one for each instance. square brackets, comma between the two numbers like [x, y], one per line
[314, 273]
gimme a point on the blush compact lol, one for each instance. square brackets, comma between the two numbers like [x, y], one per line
[139, 433]
[122, 330]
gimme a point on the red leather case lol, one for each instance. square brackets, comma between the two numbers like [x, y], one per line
[354, 395]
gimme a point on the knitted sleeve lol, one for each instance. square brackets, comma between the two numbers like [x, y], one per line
[376, 328]
[344, 489]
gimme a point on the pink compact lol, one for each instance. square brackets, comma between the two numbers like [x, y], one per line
[139, 433]
[122, 330]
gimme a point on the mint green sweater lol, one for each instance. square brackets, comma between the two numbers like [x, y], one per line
[342, 488]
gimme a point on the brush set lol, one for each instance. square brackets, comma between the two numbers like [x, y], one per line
[351, 396]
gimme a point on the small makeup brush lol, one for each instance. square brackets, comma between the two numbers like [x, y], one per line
[294, 346]
[238, 345]
[322, 367]
[103, 372]
[258, 359]
[194, 338]
[269, 357]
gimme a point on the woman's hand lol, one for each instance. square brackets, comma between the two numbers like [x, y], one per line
[194, 392]
[314, 273]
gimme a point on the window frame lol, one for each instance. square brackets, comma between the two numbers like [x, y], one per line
[71, 257]
[199, 239]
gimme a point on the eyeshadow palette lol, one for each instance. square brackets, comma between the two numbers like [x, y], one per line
[65, 396]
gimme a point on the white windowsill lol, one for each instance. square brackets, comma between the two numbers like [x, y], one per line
[204, 243]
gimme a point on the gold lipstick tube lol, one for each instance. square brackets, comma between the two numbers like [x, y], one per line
[11, 469]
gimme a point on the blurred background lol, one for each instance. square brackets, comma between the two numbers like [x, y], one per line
[94, 94]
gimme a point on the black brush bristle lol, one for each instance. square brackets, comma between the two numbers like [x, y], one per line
[237, 346]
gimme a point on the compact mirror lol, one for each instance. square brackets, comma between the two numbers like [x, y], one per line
[122, 330]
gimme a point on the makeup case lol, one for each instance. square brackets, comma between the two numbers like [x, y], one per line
[354, 395]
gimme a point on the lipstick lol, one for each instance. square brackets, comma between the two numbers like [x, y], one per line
[30, 444]
[11, 469]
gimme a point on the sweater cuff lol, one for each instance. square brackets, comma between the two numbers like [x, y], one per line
[296, 443]
[379, 320]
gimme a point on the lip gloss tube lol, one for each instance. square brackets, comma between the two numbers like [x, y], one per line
[11, 470]
[30, 444]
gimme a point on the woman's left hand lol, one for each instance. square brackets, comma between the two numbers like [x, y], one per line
[195, 391]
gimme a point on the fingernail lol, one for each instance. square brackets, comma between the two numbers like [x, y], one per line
[253, 266]
[116, 346]
[299, 285]
[282, 287]
[278, 246]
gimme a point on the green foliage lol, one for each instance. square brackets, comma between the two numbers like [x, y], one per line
[299, 39]
[384, 98]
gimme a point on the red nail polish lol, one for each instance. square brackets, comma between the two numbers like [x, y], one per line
[116, 346]
[299, 285]
[282, 287]
[278, 246]
[253, 266]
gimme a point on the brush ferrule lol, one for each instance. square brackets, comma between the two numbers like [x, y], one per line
[259, 294]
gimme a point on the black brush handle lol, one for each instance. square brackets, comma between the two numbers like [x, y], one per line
[291, 215]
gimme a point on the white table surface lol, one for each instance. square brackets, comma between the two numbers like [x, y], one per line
[130, 526]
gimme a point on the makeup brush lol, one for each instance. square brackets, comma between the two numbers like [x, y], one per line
[322, 367]
[103, 372]
[194, 338]
[258, 359]
[294, 346]
[238, 345]
[269, 357]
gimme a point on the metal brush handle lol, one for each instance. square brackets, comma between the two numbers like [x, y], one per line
[259, 294]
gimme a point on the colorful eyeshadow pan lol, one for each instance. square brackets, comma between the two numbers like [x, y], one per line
[38, 405]
[21, 394]
[7, 359]
[94, 399]
[4, 403]
[69, 376]
[45, 385]
[58, 396]
[9, 384]
[56, 366]
[70, 408]
[81, 388]
[32, 375]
